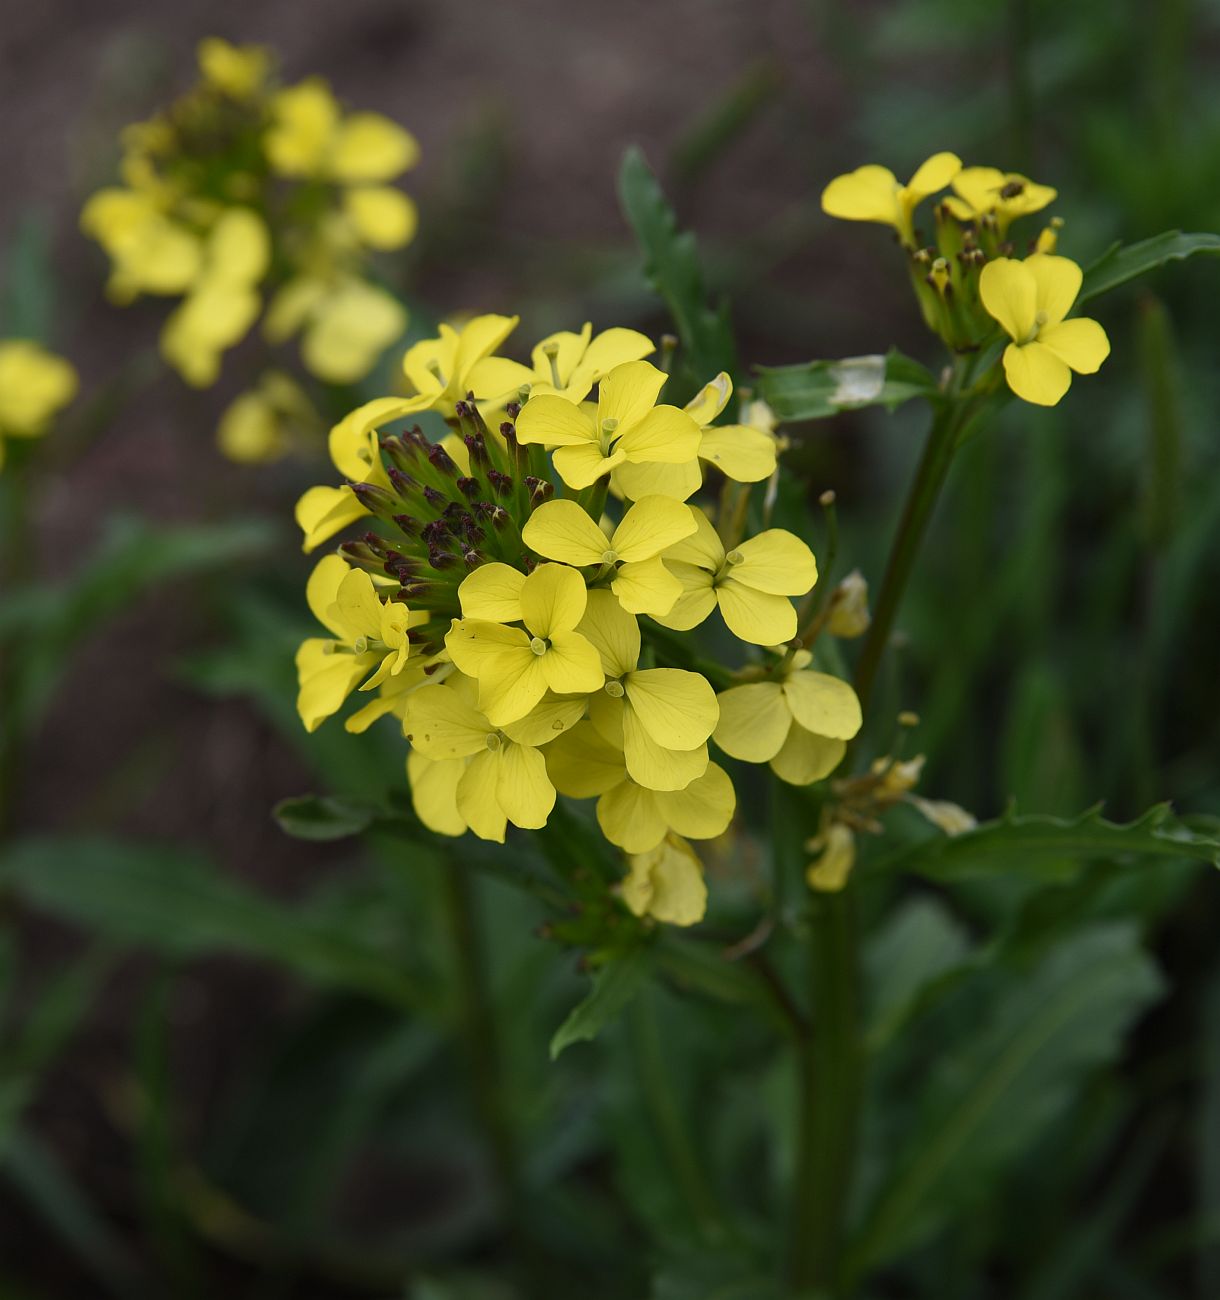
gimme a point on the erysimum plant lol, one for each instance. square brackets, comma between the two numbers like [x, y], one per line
[600, 607]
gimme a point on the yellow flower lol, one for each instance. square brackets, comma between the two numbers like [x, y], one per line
[799, 724]
[583, 764]
[660, 718]
[369, 641]
[238, 71]
[987, 191]
[516, 667]
[562, 530]
[625, 427]
[34, 385]
[150, 252]
[666, 883]
[347, 324]
[873, 193]
[381, 216]
[1030, 300]
[477, 774]
[743, 452]
[751, 583]
[223, 302]
[849, 614]
[259, 425]
[441, 369]
[836, 855]
[565, 364]
[309, 136]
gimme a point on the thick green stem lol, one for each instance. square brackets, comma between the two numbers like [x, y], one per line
[925, 489]
[831, 1070]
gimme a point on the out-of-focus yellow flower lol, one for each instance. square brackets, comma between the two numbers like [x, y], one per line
[239, 71]
[150, 252]
[223, 302]
[346, 324]
[561, 530]
[34, 385]
[626, 427]
[849, 615]
[989, 192]
[873, 193]
[836, 855]
[310, 136]
[1030, 299]
[799, 724]
[751, 583]
[666, 883]
[263, 423]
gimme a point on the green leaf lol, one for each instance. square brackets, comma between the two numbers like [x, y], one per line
[671, 262]
[29, 300]
[614, 985]
[169, 899]
[1013, 1073]
[1120, 263]
[815, 390]
[323, 817]
[1051, 847]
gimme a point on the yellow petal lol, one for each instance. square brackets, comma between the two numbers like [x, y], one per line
[1036, 374]
[607, 350]
[326, 678]
[556, 357]
[664, 436]
[480, 337]
[806, 758]
[292, 307]
[239, 247]
[582, 763]
[829, 873]
[1010, 294]
[555, 422]
[350, 330]
[249, 431]
[704, 808]
[934, 174]
[492, 593]
[647, 587]
[629, 392]
[651, 526]
[613, 631]
[979, 188]
[351, 449]
[823, 704]
[630, 817]
[649, 479]
[579, 467]
[553, 599]
[434, 792]
[511, 683]
[440, 724]
[678, 709]
[739, 452]
[1057, 281]
[304, 117]
[703, 547]
[382, 216]
[756, 616]
[710, 400]
[697, 601]
[562, 530]
[775, 561]
[323, 511]
[478, 800]
[369, 147]
[498, 380]
[357, 606]
[870, 193]
[653, 765]
[1080, 343]
[34, 384]
[554, 716]
[473, 643]
[572, 665]
[754, 721]
[523, 789]
[667, 883]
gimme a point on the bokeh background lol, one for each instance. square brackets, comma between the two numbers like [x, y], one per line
[216, 1125]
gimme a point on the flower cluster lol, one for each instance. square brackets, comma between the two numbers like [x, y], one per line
[973, 278]
[241, 189]
[523, 597]
[34, 385]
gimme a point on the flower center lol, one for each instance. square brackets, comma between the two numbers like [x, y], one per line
[609, 425]
[1040, 319]
[538, 645]
[551, 352]
[615, 690]
[610, 557]
[492, 741]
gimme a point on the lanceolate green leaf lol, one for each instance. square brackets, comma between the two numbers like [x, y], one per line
[323, 817]
[671, 261]
[1011, 1074]
[815, 390]
[1120, 263]
[614, 985]
[169, 899]
[1049, 846]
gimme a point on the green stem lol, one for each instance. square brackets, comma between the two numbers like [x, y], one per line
[951, 419]
[831, 1076]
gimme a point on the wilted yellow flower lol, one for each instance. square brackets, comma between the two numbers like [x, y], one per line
[666, 883]
[34, 385]
[1030, 300]
[836, 855]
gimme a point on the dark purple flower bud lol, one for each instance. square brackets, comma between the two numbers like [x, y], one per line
[442, 461]
[502, 483]
[408, 524]
[512, 410]
[374, 499]
[435, 498]
[468, 487]
[478, 451]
